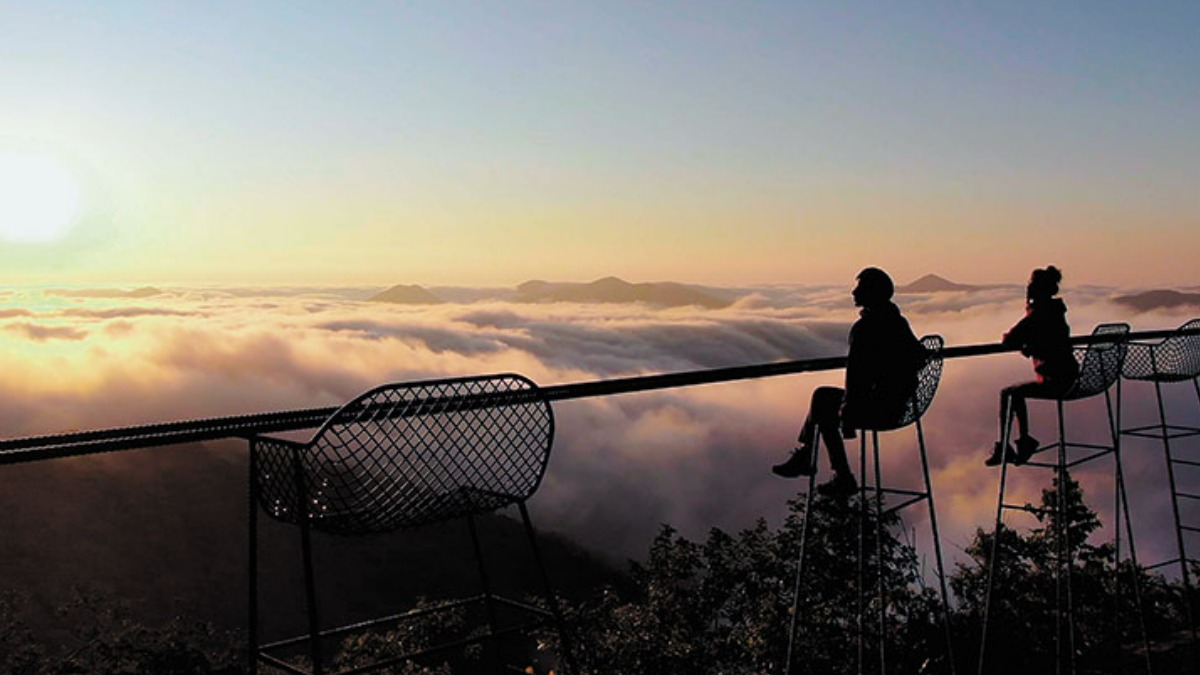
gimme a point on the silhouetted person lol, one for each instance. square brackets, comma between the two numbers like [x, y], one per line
[1043, 336]
[881, 376]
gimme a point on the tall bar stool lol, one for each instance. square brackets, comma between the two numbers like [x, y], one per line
[1100, 367]
[1175, 359]
[395, 458]
[927, 382]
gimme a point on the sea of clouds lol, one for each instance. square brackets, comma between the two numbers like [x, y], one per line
[695, 457]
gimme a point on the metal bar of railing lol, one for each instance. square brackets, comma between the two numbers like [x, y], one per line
[73, 444]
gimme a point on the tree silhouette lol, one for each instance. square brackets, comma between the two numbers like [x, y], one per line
[724, 606]
[1029, 608]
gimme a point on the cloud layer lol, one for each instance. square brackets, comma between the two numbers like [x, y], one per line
[696, 457]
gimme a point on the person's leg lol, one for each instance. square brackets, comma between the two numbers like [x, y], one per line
[1027, 445]
[826, 411]
[1005, 411]
[802, 462]
[808, 430]
[1019, 410]
[1012, 404]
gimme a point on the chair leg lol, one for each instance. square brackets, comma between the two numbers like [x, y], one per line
[1065, 622]
[1187, 581]
[310, 592]
[881, 583]
[489, 601]
[310, 583]
[551, 600]
[862, 546]
[993, 557]
[808, 499]
[1180, 544]
[937, 549]
[252, 565]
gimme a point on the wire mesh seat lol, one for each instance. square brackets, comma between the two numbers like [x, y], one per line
[1174, 359]
[928, 378]
[397, 457]
[1100, 366]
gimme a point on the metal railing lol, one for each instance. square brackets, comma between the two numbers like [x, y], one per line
[75, 444]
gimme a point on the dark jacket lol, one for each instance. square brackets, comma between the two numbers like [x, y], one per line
[881, 367]
[1045, 337]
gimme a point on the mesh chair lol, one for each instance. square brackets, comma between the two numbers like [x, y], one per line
[928, 378]
[398, 457]
[1100, 363]
[1175, 359]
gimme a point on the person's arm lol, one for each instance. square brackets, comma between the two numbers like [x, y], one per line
[1018, 335]
[861, 368]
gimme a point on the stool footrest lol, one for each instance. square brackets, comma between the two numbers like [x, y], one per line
[1027, 508]
[913, 499]
[1159, 431]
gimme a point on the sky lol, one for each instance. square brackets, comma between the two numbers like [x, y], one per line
[307, 142]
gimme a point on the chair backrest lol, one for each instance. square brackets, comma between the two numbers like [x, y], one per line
[1100, 363]
[928, 377]
[1175, 359]
[402, 455]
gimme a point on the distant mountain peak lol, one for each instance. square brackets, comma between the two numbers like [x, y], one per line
[932, 283]
[402, 294]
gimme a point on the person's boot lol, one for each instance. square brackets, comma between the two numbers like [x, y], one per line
[803, 462]
[998, 455]
[842, 486]
[1027, 446]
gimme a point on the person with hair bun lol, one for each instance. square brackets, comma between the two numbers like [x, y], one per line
[1045, 338]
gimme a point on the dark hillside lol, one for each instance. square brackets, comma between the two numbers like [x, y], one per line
[166, 530]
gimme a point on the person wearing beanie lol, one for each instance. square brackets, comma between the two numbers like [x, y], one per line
[881, 376]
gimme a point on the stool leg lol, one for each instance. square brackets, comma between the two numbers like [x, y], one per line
[489, 602]
[993, 557]
[310, 591]
[1180, 544]
[1133, 559]
[862, 545]
[551, 600]
[1187, 582]
[310, 582]
[1064, 558]
[808, 499]
[881, 587]
[937, 549]
[252, 566]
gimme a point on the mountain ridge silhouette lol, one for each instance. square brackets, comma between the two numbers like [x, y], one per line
[1148, 301]
[406, 294]
[614, 290]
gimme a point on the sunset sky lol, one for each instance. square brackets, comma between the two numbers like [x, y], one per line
[493, 142]
[269, 166]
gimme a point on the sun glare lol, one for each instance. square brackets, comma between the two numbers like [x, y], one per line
[39, 199]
